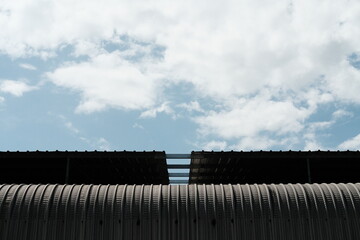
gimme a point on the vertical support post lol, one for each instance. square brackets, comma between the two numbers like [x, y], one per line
[67, 173]
[308, 170]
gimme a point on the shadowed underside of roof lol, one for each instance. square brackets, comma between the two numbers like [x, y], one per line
[84, 167]
[326, 211]
[274, 167]
[205, 168]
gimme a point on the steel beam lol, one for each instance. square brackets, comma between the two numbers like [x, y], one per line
[179, 174]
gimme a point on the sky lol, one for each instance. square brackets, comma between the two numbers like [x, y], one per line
[178, 76]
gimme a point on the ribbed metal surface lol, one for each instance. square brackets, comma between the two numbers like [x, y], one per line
[325, 211]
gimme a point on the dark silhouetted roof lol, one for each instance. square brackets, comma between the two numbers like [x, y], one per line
[84, 167]
[206, 167]
[274, 167]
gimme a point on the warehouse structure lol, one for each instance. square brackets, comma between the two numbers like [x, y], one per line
[231, 195]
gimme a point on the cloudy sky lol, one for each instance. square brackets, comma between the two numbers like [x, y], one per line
[179, 75]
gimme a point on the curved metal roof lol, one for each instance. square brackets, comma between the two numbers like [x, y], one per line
[291, 211]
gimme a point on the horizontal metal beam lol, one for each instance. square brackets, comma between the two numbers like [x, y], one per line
[178, 174]
[178, 156]
[178, 166]
[179, 181]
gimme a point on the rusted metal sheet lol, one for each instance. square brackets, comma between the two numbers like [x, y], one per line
[291, 211]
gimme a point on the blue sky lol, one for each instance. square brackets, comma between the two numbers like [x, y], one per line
[179, 76]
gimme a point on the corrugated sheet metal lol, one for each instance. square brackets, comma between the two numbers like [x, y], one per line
[325, 211]
[274, 167]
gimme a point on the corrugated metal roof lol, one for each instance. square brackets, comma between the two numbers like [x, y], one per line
[84, 167]
[325, 211]
[274, 167]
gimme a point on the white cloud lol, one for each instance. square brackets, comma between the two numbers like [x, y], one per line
[312, 130]
[14, 87]
[192, 106]
[313, 145]
[351, 144]
[69, 125]
[215, 145]
[247, 118]
[341, 113]
[27, 66]
[344, 82]
[258, 142]
[97, 143]
[229, 51]
[321, 125]
[262, 123]
[139, 126]
[255, 143]
[103, 144]
[227, 48]
[152, 113]
[86, 48]
[224, 49]
[107, 80]
[310, 136]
